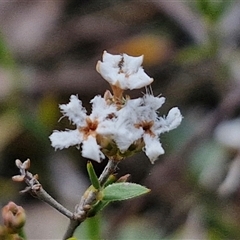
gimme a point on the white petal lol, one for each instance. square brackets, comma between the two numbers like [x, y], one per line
[108, 72]
[91, 150]
[131, 64]
[174, 118]
[172, 121]
[125, 137]
[65, 139]
[153, 147]
[129, 113]
[153, 102]
[111, 59]
[100, 109]
[74, 110]
[122, 128]
[138, 80]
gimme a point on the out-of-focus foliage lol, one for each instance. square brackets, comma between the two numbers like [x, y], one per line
[6, 58]
[48, 51]
[211, 10]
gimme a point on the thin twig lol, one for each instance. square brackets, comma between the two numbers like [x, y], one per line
[88, 199]
[81, 209]
[45, 197]
[36, 189]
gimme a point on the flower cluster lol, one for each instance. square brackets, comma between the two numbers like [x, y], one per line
[117, 126]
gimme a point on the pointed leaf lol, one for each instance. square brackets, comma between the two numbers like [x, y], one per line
[123, 191]
[93, 176]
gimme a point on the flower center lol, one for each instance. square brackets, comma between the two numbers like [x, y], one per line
[146, 126]
[89, 129]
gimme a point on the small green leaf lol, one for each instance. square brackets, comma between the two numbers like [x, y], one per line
[123, 191]
[93, 227]
[93, 176]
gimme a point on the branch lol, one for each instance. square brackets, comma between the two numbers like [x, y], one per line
[108, 170]
[88, 199]
[36, 189]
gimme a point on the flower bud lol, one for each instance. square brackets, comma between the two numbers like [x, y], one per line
[26, 164]
[124, 178]
[13, 217]
[18, 178]
[18, 163]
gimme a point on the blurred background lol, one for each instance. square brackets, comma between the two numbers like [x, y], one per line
[49, 50]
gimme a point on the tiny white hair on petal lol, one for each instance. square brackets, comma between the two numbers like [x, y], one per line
[130, 112]
[74, 110]
[153, 102]
[146, 111]
[91, 150]
[122, 128]
[65, 139]
[100, 109]
[172, 121]
[124, 137]
[153, 147]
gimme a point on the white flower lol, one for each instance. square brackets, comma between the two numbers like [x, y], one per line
[86, 131]
[123, 71]
[153, 126]
[138, 120]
